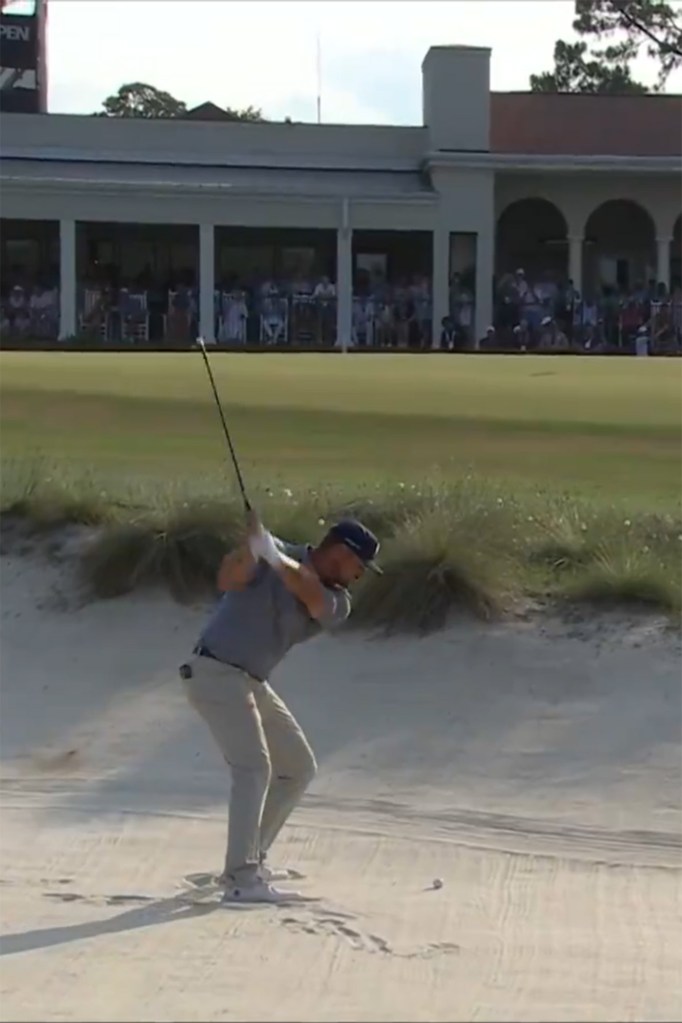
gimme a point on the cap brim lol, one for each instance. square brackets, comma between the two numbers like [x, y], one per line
[373, 567]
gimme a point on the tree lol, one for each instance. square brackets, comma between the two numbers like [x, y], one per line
[651, 25]
[137, 99]
[574, 72]
[248, 114]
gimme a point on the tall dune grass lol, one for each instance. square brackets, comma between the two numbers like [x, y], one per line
[465, 548]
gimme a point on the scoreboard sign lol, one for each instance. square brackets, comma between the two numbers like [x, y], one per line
[23, 70]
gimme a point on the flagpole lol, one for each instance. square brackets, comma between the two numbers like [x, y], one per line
[319, 80]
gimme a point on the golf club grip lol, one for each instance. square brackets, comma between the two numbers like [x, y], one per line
[240, 481]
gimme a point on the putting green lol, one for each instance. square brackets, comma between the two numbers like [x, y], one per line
[608, 428]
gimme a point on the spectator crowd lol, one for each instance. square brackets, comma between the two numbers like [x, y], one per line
[546, 314]
[541, 313]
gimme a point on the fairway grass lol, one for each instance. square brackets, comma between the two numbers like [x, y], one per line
[604, 429]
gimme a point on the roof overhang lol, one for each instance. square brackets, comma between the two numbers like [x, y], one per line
[520, 163]
[304, 185]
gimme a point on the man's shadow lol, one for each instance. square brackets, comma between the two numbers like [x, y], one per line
[156, 911]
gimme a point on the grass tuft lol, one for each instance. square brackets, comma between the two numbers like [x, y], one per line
[48, 500]
[440, 562]
[621, 575]
[180, 549]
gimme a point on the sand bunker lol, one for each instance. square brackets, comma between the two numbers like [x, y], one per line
[535, 768]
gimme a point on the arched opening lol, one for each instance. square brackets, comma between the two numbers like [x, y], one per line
[531, 235]
[676, 256]
[620, 247]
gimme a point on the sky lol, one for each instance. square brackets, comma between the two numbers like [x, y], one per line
[264, 54]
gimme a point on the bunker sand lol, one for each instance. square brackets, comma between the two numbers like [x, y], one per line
[534, 769]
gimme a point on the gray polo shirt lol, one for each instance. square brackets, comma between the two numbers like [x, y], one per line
[255, 627]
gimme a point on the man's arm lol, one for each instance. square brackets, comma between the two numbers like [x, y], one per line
[304, 584]
[236, 569]
[327, 606]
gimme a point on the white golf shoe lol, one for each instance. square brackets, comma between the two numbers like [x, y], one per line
[270, 874]
[258, 892]
[265, 873]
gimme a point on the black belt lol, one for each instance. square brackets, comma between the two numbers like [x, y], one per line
[203, 651]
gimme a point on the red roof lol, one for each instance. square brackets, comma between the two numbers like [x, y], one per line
[566, 124]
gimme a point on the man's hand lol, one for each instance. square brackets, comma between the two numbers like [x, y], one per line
[254, 534]
[263, 546]
[253, 523]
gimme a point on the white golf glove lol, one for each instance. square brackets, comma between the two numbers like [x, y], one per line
[263, 547]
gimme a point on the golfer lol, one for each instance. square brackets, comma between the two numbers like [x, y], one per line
[274, 596]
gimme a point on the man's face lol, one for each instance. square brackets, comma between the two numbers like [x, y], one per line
[339, 566]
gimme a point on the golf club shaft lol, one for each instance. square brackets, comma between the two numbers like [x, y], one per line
[202, 346]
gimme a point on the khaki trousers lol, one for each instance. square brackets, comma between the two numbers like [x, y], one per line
[266, 750]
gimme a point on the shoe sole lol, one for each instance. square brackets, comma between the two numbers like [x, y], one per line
[287, 899]
[203, 880]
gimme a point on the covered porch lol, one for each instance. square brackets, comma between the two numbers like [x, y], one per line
[325, 259]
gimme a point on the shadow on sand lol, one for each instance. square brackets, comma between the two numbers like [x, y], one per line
[150, 914]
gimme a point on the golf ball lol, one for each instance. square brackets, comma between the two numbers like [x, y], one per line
[438, 882]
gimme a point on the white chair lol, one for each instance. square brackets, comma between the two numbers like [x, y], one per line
[362, 323]
[274, 321]
[233, 317]
[134, 316]
[304, 319]
[92, 299]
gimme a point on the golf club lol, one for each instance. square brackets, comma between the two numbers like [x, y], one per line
[202, 348]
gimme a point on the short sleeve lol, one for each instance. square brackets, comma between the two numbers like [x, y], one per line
[296, 551]
[336, 608]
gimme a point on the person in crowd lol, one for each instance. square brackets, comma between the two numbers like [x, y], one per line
[448, 334]
[552, 338]
[521, 336]
[17, 310]
[180, 314]
[642, 340]
[43, 308]
[324, 289]
[324, 296]
[489, 342]
[531, 308]
[273, 315]
[631, 319]
[421, 298]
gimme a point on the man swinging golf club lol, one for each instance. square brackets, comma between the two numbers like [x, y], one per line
[274, 595]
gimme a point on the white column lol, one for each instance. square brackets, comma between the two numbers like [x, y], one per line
[575, 261]
[67, 279]
[663, 261]
[441, 281]
[344, 280]
[207, 282]
[485, 268]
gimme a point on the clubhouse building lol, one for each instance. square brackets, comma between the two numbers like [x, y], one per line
[576, 187]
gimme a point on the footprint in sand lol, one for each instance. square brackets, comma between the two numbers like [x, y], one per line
[108, 900]
[361, 942]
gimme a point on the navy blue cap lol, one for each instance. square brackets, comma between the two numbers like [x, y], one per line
[359, 539]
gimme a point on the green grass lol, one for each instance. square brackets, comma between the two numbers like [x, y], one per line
[489, 480]
[607, 429]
